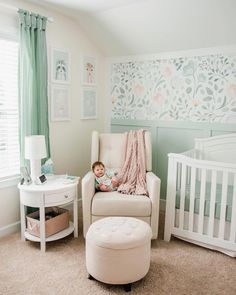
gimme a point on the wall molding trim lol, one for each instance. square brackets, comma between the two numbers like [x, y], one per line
[162, 205]
[10, 229]
[171, 137]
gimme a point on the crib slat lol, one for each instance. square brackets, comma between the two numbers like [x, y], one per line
[212, 204]
[178, 176]
[182, 196]
[202, 201]
[192, 196]
[223, 205]
[233, 215]
[170, 198]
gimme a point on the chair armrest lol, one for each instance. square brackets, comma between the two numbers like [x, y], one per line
[153, 187]
[88, 191]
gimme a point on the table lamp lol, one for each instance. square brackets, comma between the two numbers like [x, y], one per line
[35, 150]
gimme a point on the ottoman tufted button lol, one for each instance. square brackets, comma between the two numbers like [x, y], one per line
[114, 228]
[128, 233]
[133, 224]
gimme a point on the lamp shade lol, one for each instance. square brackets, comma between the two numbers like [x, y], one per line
[35, 147]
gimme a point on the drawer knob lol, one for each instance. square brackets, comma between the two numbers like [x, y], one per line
[66, 196]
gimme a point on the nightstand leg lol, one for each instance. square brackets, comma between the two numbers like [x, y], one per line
[22, 221]
[76, 215]
[42, 229]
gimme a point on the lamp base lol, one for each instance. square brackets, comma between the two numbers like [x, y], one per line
[35, 169]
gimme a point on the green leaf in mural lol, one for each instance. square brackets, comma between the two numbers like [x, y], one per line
[189, 89]
[122, 90]
[188, 81]
[201, 77]
[188, 70]
[179, 66]
[233, 109]
[132, 99]
[209, 91]
[207, 98]
[225, 109]
[223, 103]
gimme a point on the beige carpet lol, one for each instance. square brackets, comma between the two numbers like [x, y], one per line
[176, 268]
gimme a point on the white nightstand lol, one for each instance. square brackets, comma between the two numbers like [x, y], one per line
[55, 192]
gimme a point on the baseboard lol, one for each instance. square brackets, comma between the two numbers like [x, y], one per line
[10, 229]
[162, 205]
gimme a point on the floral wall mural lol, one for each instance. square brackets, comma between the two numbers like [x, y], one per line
[199, 89]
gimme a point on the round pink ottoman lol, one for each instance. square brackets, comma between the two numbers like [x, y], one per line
[118, 250]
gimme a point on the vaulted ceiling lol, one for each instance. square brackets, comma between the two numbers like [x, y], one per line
[127, 27]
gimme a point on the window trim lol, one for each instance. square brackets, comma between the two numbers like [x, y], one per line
[14, 179]
[9, 181]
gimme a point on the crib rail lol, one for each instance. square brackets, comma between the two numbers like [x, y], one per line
[201, 201]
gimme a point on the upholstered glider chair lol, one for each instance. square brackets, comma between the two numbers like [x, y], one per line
[109, 148]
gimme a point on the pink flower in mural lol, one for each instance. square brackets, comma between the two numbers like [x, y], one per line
[196, 101]
[138, 90]
[167, 72]
[232, 90]
[113, 99]
[158, 98]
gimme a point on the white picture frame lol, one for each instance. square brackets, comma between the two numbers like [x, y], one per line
[60, 65]
[89, 103]
[89, 76]
[60, 109]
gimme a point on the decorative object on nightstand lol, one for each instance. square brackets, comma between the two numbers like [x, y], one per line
[57, 191]
[35, 150]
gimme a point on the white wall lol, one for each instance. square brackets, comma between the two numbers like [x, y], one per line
[70, 141]
[154, 26]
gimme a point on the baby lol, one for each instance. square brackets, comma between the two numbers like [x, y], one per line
[105, 180]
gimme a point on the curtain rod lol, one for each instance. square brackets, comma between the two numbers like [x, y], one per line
[14, 8]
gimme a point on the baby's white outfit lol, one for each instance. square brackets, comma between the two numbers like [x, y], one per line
[106, 179]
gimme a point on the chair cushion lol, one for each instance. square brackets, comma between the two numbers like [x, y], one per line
[116, 204]
[112, 150]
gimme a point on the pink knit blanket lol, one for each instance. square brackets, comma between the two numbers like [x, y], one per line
[132, 176]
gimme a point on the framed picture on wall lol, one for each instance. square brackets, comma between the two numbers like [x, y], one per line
[60, 103]
[89, 70]
[60, 65]
[89, 103]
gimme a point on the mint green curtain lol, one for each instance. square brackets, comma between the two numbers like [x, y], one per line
[33, 78]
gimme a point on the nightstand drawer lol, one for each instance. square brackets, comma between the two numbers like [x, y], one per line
[60, 197]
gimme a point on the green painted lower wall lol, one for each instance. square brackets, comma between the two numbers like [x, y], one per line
[171, 137]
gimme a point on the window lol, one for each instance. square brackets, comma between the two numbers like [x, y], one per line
[9, 143]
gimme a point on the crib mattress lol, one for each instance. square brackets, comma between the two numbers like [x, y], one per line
[207, 200]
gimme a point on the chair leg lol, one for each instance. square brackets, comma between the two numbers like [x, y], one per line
[90, 277]
[127, 287]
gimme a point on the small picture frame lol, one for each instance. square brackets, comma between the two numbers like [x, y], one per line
[60, 65]
[89, 103]
[25, 176]
[60, 103]
[89, 71]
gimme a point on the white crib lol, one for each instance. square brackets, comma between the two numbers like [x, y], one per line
[201, 194]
